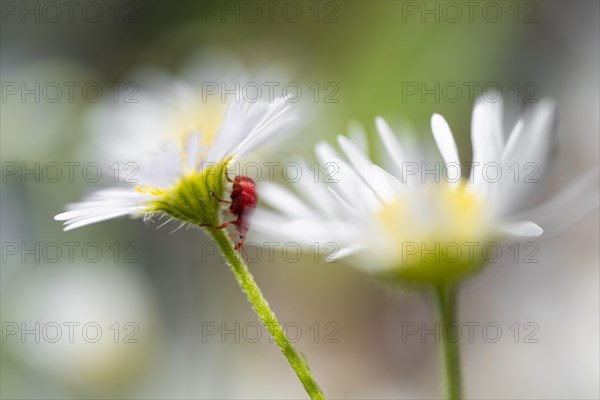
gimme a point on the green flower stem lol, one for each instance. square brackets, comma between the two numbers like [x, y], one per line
[266, 315]
[446, 301]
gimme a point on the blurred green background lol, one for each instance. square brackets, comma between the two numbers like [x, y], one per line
[168, 290]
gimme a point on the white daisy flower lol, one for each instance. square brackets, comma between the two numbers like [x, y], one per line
[424, 222]
[179, 180]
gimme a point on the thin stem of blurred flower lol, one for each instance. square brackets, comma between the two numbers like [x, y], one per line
[266, 315]
[446, 302]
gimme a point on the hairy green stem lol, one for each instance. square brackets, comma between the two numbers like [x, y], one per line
[266, 315]
[446, 302]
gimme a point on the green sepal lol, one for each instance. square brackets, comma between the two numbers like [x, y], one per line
[190, 199]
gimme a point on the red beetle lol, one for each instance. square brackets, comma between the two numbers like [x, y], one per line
[242, 205]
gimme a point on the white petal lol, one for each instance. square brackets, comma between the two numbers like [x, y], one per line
[347, 182]
[97, 218]
[486, 140]
[580, 199]
[325, 153]
[394, 149]
[344, 252]
[192, 151]
[349, 209]
[372, 176]
[161, 169]
[274, 119]
[529, 154]
[284, 200]
[513, 139]
[521, 228]
[102, 205]
[304, 231]
[313, 189]
[356, 133]
[534, 142]
[445, 140]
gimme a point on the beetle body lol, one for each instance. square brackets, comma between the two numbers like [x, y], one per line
[243, 202]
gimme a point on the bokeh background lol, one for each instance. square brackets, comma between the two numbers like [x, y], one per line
[155, 295]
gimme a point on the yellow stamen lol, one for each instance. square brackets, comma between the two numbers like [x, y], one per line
[150, 190]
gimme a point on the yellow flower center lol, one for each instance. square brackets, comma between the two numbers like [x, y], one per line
[433, 233]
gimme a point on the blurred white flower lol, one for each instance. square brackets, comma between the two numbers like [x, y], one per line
[424, 222]
[178, 181]
[151, 103]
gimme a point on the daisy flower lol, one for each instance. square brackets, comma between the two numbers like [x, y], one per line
[179, 179]
[183, 179]
[427, 223]
[419, 221]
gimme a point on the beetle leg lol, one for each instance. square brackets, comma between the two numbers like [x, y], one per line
[219, 199]
[228, 178]
[240, 246]
[223, 225]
